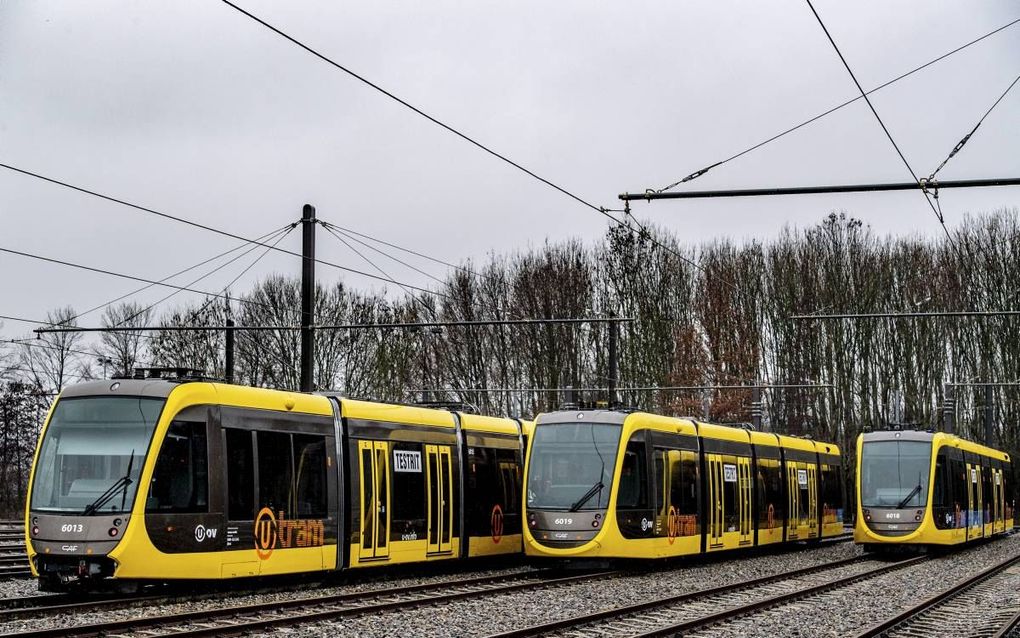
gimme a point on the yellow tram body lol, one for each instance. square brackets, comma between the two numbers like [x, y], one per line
[929, 488]
[235, 481]
[671, 487]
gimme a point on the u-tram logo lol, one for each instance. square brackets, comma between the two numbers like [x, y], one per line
[265, 533]
[273, 531]
[673, 529]
[497, 523]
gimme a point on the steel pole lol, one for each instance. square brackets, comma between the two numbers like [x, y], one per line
[989, 415]
[614, 337]
[949, 409]
[229, 363]
[307, 296]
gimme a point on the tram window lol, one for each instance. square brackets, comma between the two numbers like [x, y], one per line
[180, 480]
[310, 466]
[240, 476]
[960, 481]
[408, 487]
[633, 492]
[676, 479]
[986, 490]
[659, 471]
[275, 472]
[832, 494]
[730, 493]
[942, 493]
[801, 476]
[510, 478]
[772, 484]
[689, 503]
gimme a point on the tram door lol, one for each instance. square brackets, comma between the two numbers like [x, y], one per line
[715, 501]
[812, 509]
[974, 508]
[997, 522]
[744, 497]
[792, 502]
[439, 475]
[374, 463]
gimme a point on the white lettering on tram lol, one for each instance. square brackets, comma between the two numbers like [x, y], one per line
[406, 461]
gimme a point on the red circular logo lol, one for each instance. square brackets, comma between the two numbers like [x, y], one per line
[265, 533]
[497, 523]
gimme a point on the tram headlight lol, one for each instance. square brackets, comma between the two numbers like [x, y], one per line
[919, 515]
[595, 523]
[113, 531]
[867, 515]
[532, 521]
[35, 530]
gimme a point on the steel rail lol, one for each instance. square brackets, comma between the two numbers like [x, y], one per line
[734, 612]
[936, 600]
[616, 612]
[239, 619]
[1009, 627]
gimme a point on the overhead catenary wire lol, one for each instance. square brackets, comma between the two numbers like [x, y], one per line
[336, 229]
[906, 315]
[226, 288]
[266, 237]
[111, 273]
[674, 388]
[34, 343]
[599, 209]
[410, 106]
[966, 138]
[871, 106]
[815, 118]
[383, 272]
[218, 231]
[408, 325]
[463, 269]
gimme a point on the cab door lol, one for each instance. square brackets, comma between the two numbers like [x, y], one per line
[744, 498]
[374, 464]
[439, 476]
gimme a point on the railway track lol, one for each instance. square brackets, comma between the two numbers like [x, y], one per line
[257, 617]
[952, 612]
[15, 571]
[706, 608]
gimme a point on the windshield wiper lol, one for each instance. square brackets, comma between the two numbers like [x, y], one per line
[111, 491]
[595, 489]
[903, 503]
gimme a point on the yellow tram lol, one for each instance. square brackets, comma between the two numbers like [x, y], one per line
[929, 488]
[154, 479]
[607, 484]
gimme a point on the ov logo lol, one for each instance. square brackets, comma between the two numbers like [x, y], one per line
[202, 532]
[265, 533]
[497, 523]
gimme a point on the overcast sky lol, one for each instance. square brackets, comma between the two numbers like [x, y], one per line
[192, 109]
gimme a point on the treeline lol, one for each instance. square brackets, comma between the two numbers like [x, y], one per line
[715, 314]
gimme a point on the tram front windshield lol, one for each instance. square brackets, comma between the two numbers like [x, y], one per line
[92, 454]
[895, 473]
[571, 465]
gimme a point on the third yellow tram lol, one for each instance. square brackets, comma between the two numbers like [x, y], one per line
[607, 484]
[930, 488]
